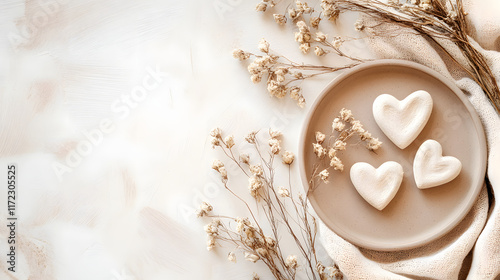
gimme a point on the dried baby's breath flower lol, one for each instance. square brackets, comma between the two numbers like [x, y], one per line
[280, 19]
[314, 21]
[223, 173]
[250, 138]
[288, 157]
[216, 132]
[264, 45]
[231, 257]
[245, 158]
[254, 185]
[301, 102]
[320, 137]
[217, 164]
[320, 268]
[261, 7]
[275, 146]
[359, 25]
[319, 150]
[283, 192]
[270, 242]
[276, 89]
[291, 262]
[340, 145]
[229, 141]
[336, 163]
[321, 37]
[357, 127]
[211, 229]
[293, 14]
[255, 277]
[324, 175]
[338, 125]
[251, 257]
[374, 144]
[256, 170]
[204, 209]
[365, 136]
[215, 142]
[346, 114]
[334, 273]
[210, 242]
[295, 93]
[240, 54]
[305, 47]
[275, 134]
[330, 9]
[332, 152]
[319, 51]
[337, 42]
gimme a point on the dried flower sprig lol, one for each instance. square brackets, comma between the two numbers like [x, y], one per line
[328, 148]
[441, 21]
[280, 73]
[282, 210]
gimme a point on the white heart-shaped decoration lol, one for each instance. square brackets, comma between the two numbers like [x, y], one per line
[377, 186]
[402, 121]
[431, 169]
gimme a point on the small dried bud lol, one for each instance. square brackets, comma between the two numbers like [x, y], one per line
[229, 141]
[210, 243]
[292, 13]
[301, 102]
[204, 209]
[374, 144]
[320, 137]
[320, 37]
[270, 242]
[261, 7]
[295, 93]
[345, 114]
[332, 152]
[337, 164]
[304, 48]
[291, 262]
[223, 173]
[314, 21]
[215, 142]
[324, 175]
[216, 132]
[319, 150]
[264, 46]
[245, 158]
[340, 145]
[251, 257]
[275, 134]
[320, 268]
[240, 54]
[280, 19]
[337, 42]
[254, 185]
[338, 125]
[256, 78]
[283, 192]
[256, 170]
[217, 164]
[275, 145]
[288, 157]
[250, 138]
[255, 277]
[231, 257]
[319, 51]
[357, 127]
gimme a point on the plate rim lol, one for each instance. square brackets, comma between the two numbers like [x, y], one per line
[447, 82]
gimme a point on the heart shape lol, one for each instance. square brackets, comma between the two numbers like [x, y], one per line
[402, 121]
[377, 186]
[431, 169]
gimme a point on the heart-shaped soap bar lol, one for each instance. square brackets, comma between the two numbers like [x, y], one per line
[377, 186]
[402, 121]
[431, 169]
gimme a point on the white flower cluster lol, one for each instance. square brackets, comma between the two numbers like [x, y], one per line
[330, 10]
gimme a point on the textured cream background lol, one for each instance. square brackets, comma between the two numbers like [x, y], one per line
[124, 210]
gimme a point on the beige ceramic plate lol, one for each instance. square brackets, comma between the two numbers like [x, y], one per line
[414, 217]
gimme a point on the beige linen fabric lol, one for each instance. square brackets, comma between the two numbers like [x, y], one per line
[472, 249]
